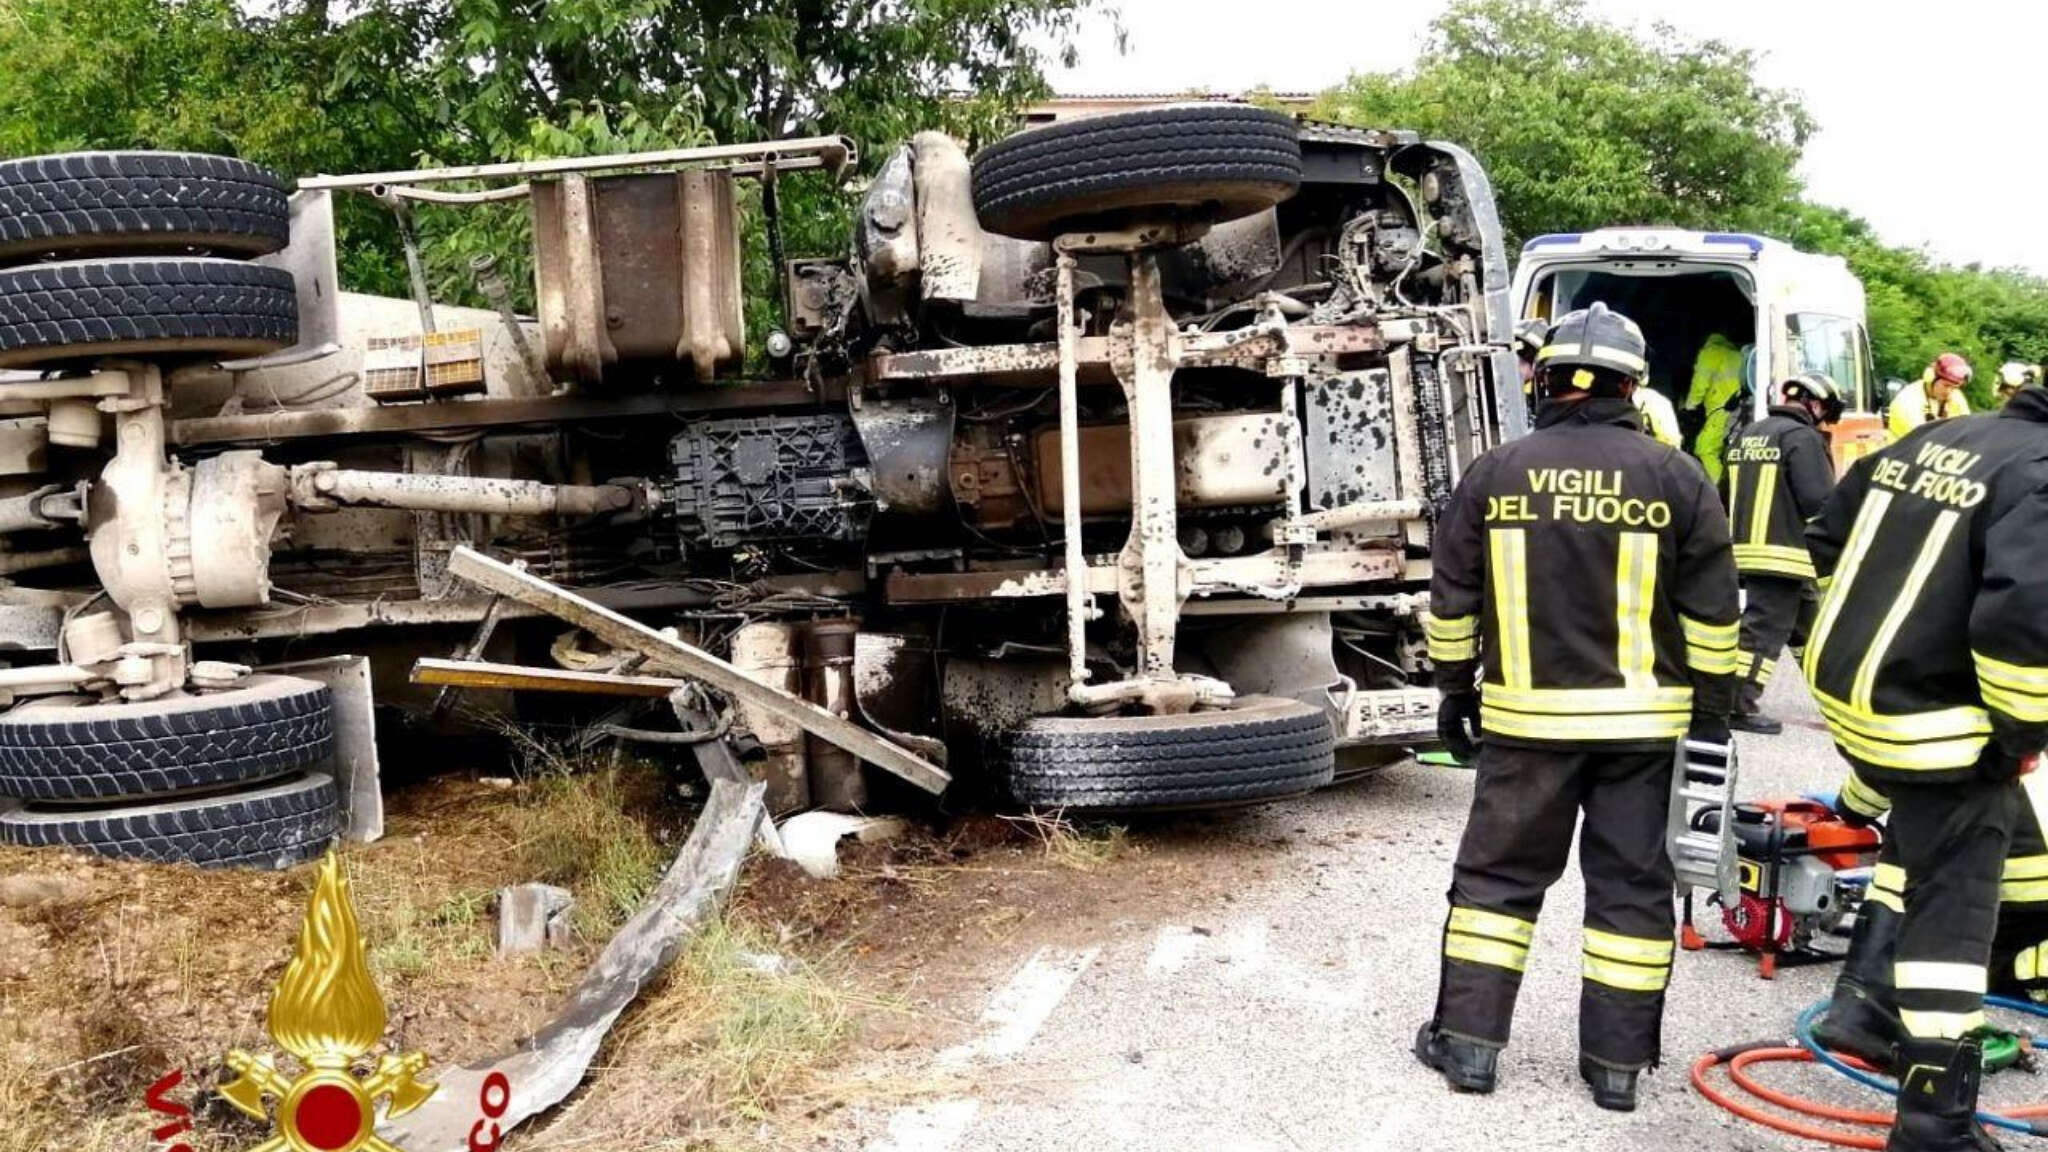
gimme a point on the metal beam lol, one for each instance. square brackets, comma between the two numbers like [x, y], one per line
[520, 678]
[835, 152]
[622, 632]
[1032, 363]
[404, 419]
[1211, 575]
[291, 620]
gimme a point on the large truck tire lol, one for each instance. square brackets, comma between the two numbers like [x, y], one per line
[1259, 748]
[139, 203]
[72, 748]
[275, 826]
[1210, 162]
[144, 306]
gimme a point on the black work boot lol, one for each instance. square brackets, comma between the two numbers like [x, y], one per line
[1755, 722]
[1860, 1020]
[1938, 1082]
[1466, 1066]
[1613, 1088]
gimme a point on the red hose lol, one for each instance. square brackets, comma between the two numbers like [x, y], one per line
[1745, 1057]
[1739, 1060]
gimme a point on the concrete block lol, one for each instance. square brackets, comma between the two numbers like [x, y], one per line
[532, 917]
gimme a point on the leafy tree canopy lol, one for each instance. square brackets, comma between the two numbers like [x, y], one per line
[1584, 123]
[365, 85]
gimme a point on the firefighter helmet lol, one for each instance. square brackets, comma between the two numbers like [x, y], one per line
[2015, 375]
[1593, 339]
[1818, 387]
[1949, 366]
[1530, 335]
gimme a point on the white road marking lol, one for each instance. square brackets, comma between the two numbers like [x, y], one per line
[1020, 1008]
[1242, 953]
[1173, 948]
[928, 1127]
[1013, 1017]
[1245, 947]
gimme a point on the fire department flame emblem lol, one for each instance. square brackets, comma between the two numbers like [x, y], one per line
[328, 1014]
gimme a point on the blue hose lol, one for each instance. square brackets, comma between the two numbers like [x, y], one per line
[1804, 1031]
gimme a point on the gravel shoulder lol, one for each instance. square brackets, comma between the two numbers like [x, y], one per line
[1271, 1003]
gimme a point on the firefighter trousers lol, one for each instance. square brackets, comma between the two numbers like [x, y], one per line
[1951, 844]
[2019, 947]
[1525, 802]
[2019, 951]
[1776, 610]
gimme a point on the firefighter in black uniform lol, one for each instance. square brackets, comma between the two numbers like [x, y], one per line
[1929, 660]
[1587, 567]
[1779, 473]
[1862, 1017]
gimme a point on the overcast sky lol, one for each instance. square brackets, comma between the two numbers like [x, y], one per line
[1929, 114]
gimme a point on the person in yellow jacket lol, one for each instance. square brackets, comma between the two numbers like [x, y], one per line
[1660, 419]
[1937, 395]
[1709, 406]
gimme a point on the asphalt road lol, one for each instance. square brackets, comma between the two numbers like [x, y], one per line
[1281, 1018]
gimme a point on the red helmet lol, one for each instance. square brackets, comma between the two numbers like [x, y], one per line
[1951, 367]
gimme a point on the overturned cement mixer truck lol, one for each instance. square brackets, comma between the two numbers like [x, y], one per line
[1100, 468]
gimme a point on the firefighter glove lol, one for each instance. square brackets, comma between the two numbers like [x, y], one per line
[2002, 765]
[1457, 724]
[1710, 728]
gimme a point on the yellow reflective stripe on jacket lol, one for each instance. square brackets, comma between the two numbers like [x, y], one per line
[1509, 565]
[1709, 648]
[1844, 579]
[2028, 963]
[1585, 713]
[1774, 559]
[1582, 701]
[1888, 887]
[1760, 504]
[1963, 720]
[2018, 690]
[1940, 1025]
[1634, 949]
[1931, 741]
[1453, 638]
[1867, 801]
[1479, 922]
[1938, 976]
[1902, 605]
[1734, 500]
[1635, 583]
[1589, 729]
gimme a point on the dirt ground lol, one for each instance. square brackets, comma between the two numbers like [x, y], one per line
[114, 974]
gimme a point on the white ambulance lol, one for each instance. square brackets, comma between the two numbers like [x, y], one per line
[1788, 311]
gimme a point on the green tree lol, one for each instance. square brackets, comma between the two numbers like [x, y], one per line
[314, 86]
[1582, 123]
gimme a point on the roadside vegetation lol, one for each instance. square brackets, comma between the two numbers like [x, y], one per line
[1583, 122]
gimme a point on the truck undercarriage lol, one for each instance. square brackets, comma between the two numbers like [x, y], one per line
[1102, 468]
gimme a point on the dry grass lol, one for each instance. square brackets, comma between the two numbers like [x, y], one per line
[152, 968]
[577, 831]
[732, 1036]
[1082, 847]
